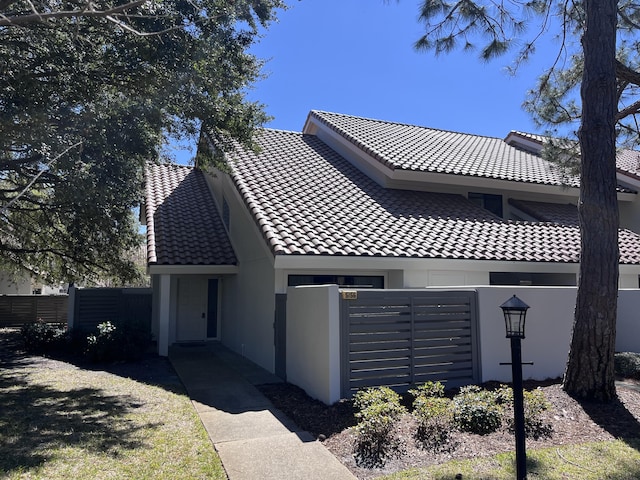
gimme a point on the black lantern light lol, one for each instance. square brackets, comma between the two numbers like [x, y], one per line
[515, 313]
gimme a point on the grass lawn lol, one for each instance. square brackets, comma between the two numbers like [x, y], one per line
[61, 421]
[613, 460]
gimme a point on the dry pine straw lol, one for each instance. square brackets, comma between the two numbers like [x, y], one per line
[572, 421]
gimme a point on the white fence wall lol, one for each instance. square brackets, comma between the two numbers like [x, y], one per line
[547, 331]
[313, 333]
[628, 328]
[313, 340]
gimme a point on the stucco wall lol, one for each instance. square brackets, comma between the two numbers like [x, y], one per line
[313, 334]
[628, 327]
[547, 330]
[248, 297]
[14, 284]
[313, 340]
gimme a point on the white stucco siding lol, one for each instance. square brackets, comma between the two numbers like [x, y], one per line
[14, 284]
[547, 331]
[248, 297]
[313, 341]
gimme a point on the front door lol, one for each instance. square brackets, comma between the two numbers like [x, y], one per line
[192, 309]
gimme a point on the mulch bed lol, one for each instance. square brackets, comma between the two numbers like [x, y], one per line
[572, 421]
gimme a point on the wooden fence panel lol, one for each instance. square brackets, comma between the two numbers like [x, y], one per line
[400, 338]
[16, 310]
[94, 306]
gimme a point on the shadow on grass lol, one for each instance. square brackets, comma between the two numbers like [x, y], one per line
[37, 421]
[150, 368]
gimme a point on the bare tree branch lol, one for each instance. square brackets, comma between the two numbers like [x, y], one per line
[4, 209]
[627, 74]
[630, 110]
[87, 11]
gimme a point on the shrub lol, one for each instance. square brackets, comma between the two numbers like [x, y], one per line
[378, 412]
[627, 364]
[428, 389]
[117, 342]
[535, 404]
[476, 410]
[41, 337]
[434, 416]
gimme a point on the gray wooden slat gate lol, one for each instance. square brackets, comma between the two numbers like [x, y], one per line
[17, 310]
[400, 338]
[118, 305]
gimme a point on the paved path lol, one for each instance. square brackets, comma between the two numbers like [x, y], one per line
[253, 438]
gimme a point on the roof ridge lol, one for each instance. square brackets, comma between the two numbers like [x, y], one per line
[281, 130]
[170, 164]
[405, 124]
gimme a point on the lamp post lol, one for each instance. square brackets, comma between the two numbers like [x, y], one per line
[515, 313]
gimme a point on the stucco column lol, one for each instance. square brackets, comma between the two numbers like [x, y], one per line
[71, 308]
[164, 315]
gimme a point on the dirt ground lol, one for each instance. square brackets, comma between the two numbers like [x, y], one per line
[572, 422]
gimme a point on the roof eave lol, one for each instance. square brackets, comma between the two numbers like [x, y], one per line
[192, 269]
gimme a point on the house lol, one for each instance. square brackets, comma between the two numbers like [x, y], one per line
[24, 283]
[359, 203]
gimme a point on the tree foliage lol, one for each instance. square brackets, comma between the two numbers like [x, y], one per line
[592, 81]
[90, 92]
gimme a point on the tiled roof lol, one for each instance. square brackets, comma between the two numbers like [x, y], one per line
[183, 225]
[534, 137]
[308, 200]
[410, 147]
[564, 213]
[628, 162]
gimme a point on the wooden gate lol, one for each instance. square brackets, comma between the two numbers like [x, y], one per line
[118, 305]
[400, 338]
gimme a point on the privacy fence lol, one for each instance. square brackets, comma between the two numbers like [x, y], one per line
[16, 310]
[340, 340]
[93, 306]
[402, 338]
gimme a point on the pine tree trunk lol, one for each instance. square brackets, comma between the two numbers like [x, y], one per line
[589, 373]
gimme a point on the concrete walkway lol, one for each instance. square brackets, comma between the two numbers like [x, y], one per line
[253, 438]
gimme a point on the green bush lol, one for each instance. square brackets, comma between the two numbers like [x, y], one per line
[535, 404]
[627, 365]
[41, 337]
[476, 410]
[428, 389]
[113, 342]
[434, 416]
[378, 412]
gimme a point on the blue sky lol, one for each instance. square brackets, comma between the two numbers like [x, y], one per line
[357, 57]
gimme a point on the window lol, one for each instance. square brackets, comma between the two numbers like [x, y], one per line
[490, 202]
[352, 281]
[226, 215]
[536, 279]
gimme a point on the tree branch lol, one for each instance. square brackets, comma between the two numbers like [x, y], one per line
[4, 209]
[87, 11]
[627, 74]
[630, 110]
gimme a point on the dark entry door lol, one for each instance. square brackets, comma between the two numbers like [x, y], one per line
[280, 335]
[212, 308]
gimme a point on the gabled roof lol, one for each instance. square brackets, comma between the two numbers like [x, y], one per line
[308, 200]
[183, 225]
[411, 147]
